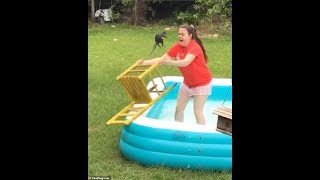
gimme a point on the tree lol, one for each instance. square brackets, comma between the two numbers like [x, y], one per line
[139, 11]
[92, 10]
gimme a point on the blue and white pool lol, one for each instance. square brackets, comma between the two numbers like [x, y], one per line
[155, 139]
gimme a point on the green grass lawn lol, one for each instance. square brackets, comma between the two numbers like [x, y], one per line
[111, 50]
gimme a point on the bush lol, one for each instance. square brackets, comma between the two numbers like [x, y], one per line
[187, 17]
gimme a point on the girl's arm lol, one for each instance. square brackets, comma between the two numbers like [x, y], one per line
[155, 60]
[181, 63]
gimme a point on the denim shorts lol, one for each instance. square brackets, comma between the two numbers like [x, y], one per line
[199, 90]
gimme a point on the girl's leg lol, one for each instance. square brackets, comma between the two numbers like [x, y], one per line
[182, 102]
[198, 104]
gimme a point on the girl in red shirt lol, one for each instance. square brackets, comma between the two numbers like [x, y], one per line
[190, 57]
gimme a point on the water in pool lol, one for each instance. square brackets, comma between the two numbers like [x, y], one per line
[164, 108]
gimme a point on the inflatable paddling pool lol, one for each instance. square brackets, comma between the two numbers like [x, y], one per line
[155, 139]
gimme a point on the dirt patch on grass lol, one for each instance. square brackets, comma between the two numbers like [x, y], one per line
[95, 129]
[211, 36]
[210, 31]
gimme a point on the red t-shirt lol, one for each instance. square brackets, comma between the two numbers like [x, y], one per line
[197, 72]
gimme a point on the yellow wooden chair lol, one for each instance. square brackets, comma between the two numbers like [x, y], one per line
[133, 81]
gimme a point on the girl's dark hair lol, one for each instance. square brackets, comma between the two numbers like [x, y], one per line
[192, 30]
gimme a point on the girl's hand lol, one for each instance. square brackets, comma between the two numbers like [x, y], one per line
[140, 61]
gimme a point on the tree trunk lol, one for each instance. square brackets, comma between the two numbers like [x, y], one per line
[92, 10]
[139, 12]
[135, 11]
